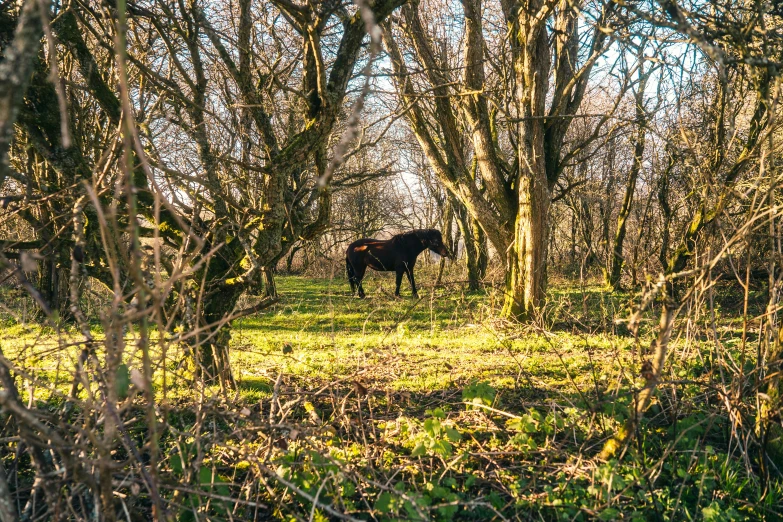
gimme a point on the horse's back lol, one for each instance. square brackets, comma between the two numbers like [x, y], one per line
[363, 244]
[378, 254]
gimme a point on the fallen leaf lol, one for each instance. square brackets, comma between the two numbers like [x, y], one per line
[28, 262]
[137, 379]
[647, 371]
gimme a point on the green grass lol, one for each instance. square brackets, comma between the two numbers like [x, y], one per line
[318, 333]
[570, 386]
[373, 395]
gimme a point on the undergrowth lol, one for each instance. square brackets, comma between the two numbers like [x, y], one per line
[430, 409]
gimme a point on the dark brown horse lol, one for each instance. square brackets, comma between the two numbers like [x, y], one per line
[398, 254]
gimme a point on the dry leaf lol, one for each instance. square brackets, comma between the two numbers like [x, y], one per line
[137, 379]
[647, 371]
[28, 262]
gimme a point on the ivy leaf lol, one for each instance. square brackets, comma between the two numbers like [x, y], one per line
[453, 435]
[384, 503]
[122, 381]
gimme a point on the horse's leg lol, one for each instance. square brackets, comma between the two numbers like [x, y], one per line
[359, 275]
[400, 270]
[409, 271]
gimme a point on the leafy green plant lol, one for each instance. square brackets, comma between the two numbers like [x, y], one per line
[479, 392]
[436, 437]
[206, 479]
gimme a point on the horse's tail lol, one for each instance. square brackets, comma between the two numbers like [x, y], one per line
[351, 274]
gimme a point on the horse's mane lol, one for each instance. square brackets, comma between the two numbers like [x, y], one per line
[418, 234]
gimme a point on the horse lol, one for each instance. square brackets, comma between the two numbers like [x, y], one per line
[397, 254]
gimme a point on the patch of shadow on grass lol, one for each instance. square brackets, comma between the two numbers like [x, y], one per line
[255, 385]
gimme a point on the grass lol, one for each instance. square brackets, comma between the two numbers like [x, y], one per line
[318, 333]
[555, 396]
[400, 409]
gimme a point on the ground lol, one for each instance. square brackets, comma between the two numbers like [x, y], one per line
[319, 333]
[395, 408]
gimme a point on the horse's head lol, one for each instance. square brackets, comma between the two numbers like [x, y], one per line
[433, 240]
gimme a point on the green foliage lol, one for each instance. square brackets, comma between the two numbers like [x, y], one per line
[398, 445]
[435, 437]
[122, 381]
[479, 393]
[204, 478]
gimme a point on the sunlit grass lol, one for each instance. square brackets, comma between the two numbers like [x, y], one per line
[572, 376]
[318, 333]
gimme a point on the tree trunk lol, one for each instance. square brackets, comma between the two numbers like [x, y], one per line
[666, 211]
[212, 364]
[615, 271]
[476, 256]
[53, 284]
[605, 206]
[482, 252]
[270, 288]
[768, 423]
[572, 249]
[289, 262]
[447, 221]
[526, 259]
[769, 428]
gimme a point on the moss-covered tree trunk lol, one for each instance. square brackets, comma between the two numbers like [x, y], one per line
[448, 219]
[769, 421]
[213, 364]
[477, 270]
[526, 258]
[476, 256]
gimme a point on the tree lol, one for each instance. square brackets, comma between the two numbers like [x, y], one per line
[518, 169]
[638, 139]
[739, 64]
[226, 129]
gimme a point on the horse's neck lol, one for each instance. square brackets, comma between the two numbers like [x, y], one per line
[416, 246]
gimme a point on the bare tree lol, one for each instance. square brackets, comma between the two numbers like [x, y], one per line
[518, 169]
